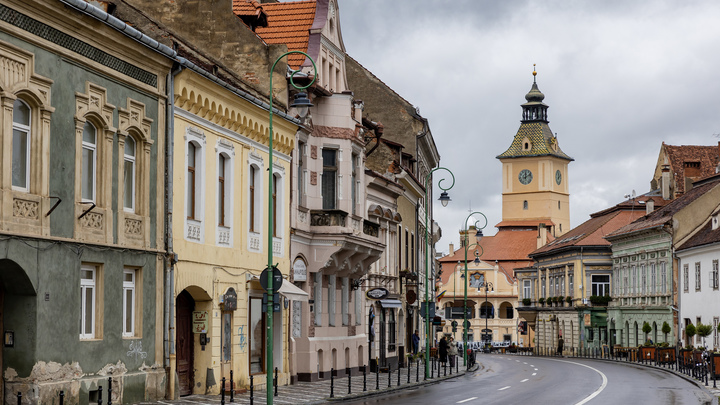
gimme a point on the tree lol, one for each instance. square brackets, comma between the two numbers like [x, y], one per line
[666, 329]
[646, 329]
[704, 331]
[690, 331]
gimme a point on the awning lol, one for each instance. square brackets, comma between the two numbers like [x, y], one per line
[391, 303]
[289, 290]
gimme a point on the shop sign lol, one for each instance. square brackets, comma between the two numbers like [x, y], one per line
[299, 270]
[230, 300]
[200, 321]
[378, 293]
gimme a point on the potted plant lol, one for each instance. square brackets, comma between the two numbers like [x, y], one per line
[665, 354]
[647, 351]
[560, 300]
[541, 301]
[703, 331]
[512, 348]
[569, 300]
[526, 301]
[666, 329]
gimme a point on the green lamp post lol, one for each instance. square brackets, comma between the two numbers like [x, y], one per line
[302, 104]
[444, 200]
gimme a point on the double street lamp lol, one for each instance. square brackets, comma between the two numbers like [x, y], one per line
[444, 200]
[302, 104]
[488, 287]
[478, 238]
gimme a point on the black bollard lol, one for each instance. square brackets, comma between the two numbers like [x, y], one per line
[347, 370]
[398, 384]
[109, 391]
[222, 392]
[389, 375]
[364, 378]
[417, 371]
[409, 368]
[276, 381]
[62, 397]
[232, 387]
[100, 395]
[19, 397]
[252, 398]
[332, 383]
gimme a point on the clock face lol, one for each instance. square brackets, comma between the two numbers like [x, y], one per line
[525, 176]
[558, 177]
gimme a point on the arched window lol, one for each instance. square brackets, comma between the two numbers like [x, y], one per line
[21, 146]
[191, 179]
[221, 189]
[129, 174]
[89, 162]
[525, 205]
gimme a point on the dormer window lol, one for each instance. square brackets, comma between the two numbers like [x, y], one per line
[526, 144]
[716, 222]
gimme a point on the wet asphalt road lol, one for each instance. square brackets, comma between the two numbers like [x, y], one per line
[505, 379]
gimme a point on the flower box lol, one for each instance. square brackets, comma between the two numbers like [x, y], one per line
[665, 355]
[648, 353]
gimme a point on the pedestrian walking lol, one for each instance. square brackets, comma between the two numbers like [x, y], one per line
[415, 342]
[452, 352]
[443, 350]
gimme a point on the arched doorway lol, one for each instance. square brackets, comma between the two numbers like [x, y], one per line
[185, 305]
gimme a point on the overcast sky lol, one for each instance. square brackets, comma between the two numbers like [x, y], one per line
[620, 77]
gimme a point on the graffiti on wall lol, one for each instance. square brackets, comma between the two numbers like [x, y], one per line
[243, 339]
[136, 350]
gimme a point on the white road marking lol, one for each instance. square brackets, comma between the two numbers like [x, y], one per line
[534, 373]
[597, 391]
[465, 400]
[504, 388]
[524, 380]
[518, 361]
[524, 362]
[534, 369]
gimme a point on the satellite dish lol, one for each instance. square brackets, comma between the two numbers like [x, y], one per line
[633, 193]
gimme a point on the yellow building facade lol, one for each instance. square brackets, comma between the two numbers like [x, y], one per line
[220, 222]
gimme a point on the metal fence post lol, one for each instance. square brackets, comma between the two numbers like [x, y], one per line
[109, 401]
[222, 392]
[100, 395]
[364, 378]
[19, 398]
[252, 398]
[377, 375]
[347, 370]
[232, 387]
[62, 397]
[332, 383]
[417, 371]
[389, 375]
[398, 384]
[276, 381]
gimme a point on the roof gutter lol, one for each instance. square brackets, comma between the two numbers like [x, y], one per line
[123, 28]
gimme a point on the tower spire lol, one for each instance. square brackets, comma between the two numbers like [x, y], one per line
[534, 73]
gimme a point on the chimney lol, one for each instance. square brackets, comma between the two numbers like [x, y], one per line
[665, 180]
[542, 236]
[452, 249]
[649, 206]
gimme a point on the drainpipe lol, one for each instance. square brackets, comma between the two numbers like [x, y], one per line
[171, 257]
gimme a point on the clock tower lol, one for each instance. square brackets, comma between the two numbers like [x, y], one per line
[535, 171]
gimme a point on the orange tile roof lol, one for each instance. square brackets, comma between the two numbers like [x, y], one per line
[288, 23]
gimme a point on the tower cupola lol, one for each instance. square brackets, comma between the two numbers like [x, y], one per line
[534, 109]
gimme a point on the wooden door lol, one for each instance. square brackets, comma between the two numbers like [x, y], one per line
[185, 305]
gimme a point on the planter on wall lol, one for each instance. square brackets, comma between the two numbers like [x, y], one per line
[647, 353]
[665, 355]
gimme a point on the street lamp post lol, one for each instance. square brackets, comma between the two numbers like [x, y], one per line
[302, 104]
[444, 199]
[488, 286]
[478, 238]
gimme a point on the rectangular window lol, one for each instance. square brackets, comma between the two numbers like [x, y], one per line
[600, 284]
[526, 289]
[276, 180]
[353, 183]
[301, 173]
[88, 291]
[391, 331]
[21, 146]
[633, 272]
[329, 179]
[221, 189]
[698, 276]
[89, 149]
[544, 293]
[716, 340]
[191, 180]
[129, 175]
[253, 175]
[698, 338]
[256, 336]
[686, 278]
[643, 279]
[653, 279]
[663, 278]
[129, 304]
[715, 275]
[412, 252]
[407, 249]
[625, 281]
[571, 283]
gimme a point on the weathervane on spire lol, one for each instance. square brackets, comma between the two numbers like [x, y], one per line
[534, 73]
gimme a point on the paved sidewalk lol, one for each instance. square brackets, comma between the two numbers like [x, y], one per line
[318, 392]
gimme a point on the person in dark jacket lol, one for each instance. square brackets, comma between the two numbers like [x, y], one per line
[415, 342]
[443, 350]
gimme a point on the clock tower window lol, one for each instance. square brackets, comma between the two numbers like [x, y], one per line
[525, 205]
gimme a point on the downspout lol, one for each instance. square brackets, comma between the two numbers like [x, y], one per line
[171, 257]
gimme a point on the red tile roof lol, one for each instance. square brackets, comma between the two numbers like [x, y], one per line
[288, 23]
[704, 236]
[706, 156]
